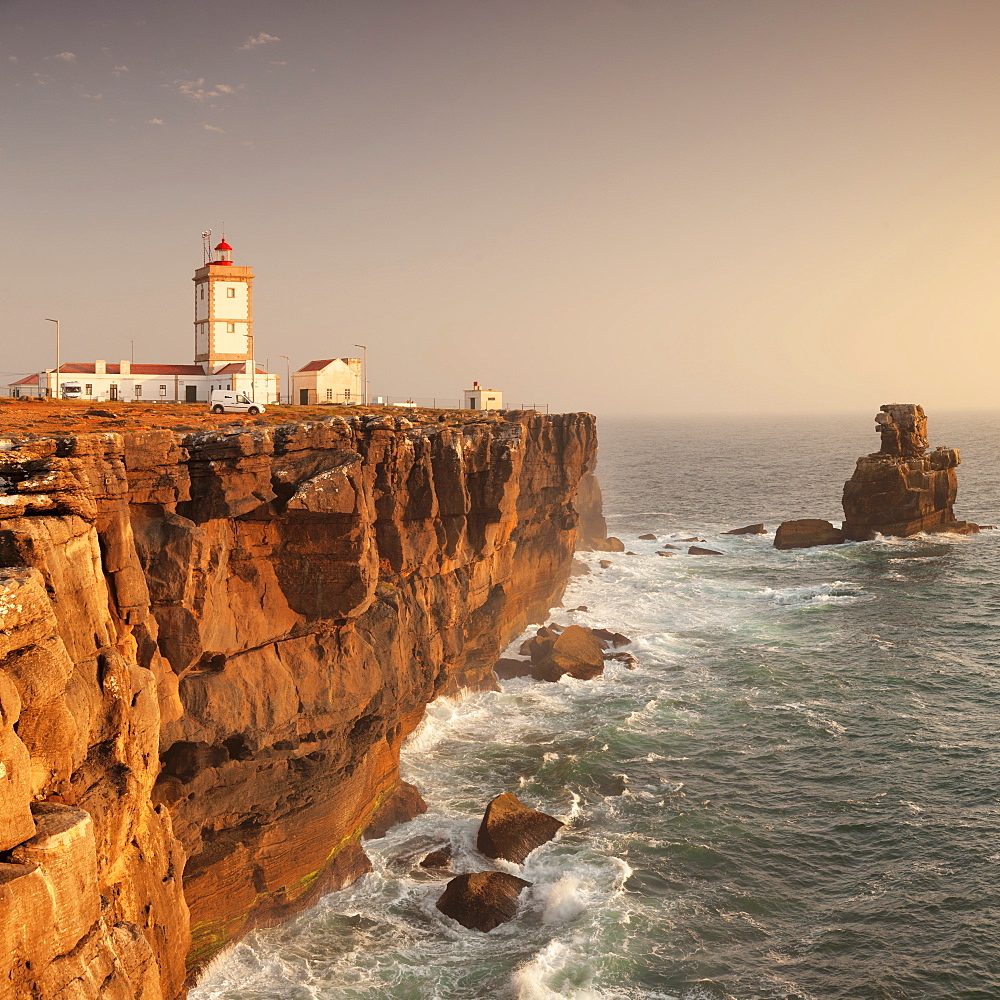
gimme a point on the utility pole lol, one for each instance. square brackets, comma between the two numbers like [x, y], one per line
[47, 320]
[364, 373]
[288, 378]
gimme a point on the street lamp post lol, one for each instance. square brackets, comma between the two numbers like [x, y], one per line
[288, 378]
[47, 320]
[364, 373]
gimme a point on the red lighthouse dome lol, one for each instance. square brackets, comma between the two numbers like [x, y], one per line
[223, 253]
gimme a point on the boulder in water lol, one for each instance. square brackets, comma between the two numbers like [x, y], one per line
[507, 668]
[482, 900]
[750, 529]
[648, 537]
[697, 550]
[511, 830]
[805, 533]
[575, 651]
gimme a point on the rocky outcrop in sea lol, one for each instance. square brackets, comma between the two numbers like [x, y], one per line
[901, 489]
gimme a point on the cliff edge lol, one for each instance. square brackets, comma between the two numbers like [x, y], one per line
[213, 643]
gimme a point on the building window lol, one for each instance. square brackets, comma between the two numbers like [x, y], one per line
[230, 328]
[16, 393]
[113, 390]
[347, 394]
[230, 293]
[138, 391]
[202, 291]
[329, 393]
[163, 390]
[88, 389]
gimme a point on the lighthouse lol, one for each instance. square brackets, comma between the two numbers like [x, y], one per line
[223, 311]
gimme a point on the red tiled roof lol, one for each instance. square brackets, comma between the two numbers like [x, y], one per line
[318, 366]
[236, 368]
[27, 380]
[88, 368]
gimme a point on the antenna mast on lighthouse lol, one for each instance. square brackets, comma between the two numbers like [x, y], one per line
[206, 246]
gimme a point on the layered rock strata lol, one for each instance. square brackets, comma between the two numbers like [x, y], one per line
[211, 648]
[900, 489]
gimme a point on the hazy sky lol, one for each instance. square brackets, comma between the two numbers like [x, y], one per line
[613, 205]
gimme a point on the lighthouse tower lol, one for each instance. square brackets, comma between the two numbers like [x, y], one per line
[223, 311]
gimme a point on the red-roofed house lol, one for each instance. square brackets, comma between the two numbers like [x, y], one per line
[334, 380]
[223, 325]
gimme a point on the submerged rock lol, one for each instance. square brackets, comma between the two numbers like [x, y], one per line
[805, 533]
[441, 858]
[615, 639]
[648, 537]
[482, 900]
[627, 658]
[697, 550]
[511, 830]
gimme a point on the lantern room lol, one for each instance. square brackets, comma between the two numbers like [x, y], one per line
[223, 253]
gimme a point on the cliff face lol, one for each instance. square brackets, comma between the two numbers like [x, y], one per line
[901, 490]
[211, 648]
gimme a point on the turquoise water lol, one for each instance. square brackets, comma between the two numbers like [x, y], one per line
[793, 796]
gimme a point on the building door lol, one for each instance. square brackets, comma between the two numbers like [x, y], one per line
[303, 397]
[113, 392]
[190, 394]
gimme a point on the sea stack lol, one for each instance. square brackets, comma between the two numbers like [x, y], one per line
[901, 489]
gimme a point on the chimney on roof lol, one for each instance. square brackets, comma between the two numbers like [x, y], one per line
[475, 385]
[124, 367]
[100, 368]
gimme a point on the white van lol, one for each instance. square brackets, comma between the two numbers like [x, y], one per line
[71, 390]
[225, 401]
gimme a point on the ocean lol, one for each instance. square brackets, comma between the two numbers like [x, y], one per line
[794, 796]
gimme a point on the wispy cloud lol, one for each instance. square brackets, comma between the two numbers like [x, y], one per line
[154, 121]
[94, 97]
[12, 58]
[118, 70]
[42, 78]
[198, 91]
[212, 128]
[65, 56]
[262, 39]
[279, 62]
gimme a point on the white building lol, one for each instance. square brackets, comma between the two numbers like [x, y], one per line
[223, 351]
[478, 398]
[335, 380]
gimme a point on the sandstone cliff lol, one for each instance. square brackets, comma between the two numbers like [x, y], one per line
[211, 647]
[902, 490]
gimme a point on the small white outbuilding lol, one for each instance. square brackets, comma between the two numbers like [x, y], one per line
[478, 398]
[334, 380]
